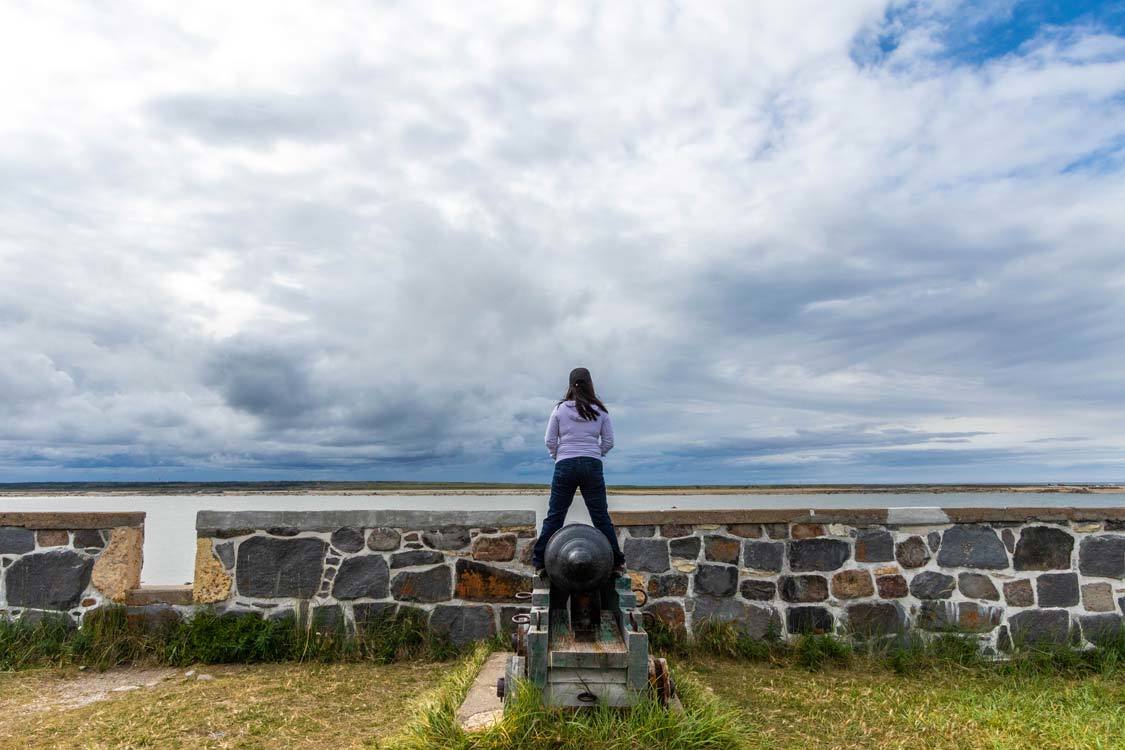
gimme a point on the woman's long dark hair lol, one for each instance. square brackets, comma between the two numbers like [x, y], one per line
[580, 389]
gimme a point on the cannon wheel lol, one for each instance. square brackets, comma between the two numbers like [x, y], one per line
[660, 679]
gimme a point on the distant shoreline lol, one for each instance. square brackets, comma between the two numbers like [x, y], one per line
[484, 488]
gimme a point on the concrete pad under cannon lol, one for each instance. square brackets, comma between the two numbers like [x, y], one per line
[481, 707]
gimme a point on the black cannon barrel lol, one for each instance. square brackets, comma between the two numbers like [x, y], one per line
[578, 558]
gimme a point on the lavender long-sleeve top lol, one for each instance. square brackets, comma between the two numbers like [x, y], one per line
[569, 436]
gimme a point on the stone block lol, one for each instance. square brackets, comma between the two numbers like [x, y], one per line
[463, 624]
[671, 614]
[1102, 556]
[807, 588]
[118, 568]
[852, 584]
[1043, 548]
[672, 584]
[758, 589]
[500, 548]
[1101, 630]
[649, 555]
[1009, 539]
[431, 585]
[874, 545]
[367, 615]
[933, 539]
[447, 537]
[1057, 589]
[912, 552]
[1040, 626]
[806, 530]
[285, 531]
[416, 557]
[1097, 597]
[674, 530]
[753, 620]
[929, 584]
[686, 548]
[488, 583]
[52, 538]
[716, 580]
[867, 619]
[817, 554]
[721, 549]
[348, 539]
[88, 539]
[16, 541]
[1019, 593]
[892, 587]
[642, 531]
[362, 577]
[271, 568]
[776, 530]
[936, 616]
[972, 546]
[327, 618]
[51, 580]
[211, 582]
[383, 539]
[745, 530]
[225, 552]
[978, 618]
[765, 556]
[977, 586]
[816, 620]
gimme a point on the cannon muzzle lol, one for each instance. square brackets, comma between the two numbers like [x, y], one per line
[578, 558]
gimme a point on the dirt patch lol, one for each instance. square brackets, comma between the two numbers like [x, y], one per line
[62, 691]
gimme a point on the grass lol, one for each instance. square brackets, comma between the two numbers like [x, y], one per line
[112, 639]
[294, 706]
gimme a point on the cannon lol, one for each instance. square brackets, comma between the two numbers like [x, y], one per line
[584, 642]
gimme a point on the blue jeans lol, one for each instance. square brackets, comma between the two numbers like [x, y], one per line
[570, 474]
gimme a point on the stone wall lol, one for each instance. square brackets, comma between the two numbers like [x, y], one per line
[1004, 575]
[462, 569]
[67, 562]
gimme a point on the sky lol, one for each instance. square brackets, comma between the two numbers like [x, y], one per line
[794, 242]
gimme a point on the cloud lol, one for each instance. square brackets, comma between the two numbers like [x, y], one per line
[856, 242]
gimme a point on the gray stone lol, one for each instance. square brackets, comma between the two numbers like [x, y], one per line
[348, 539]
[1101, 630]
[86, 539]
[776, 530]
[686, 548]
[803, 588]
[934, 540]
[977, 618]
[1040, 626]
[225, 552]
[930, 584]
[1097, 597]
[382, 539]
[875, 618]
[756, 621]
[327, 618]
[936, 616]
[817, 554]
[507, 612]
[37, 616]
[969, 546]
[667, 585]
[1102, 556]
[1043, 548]
[716, 580]
[1003, 640]
[283, 531]
[48, 580]
[674, 530]
[363, 577]
[810, 620]
[432, 585]
[765, 556]
[16, 541]
[1019, 593]
[642, 531]
[650, 555]
[272, 568]
[912, 552]
[1057, 589]
[416, 557]
[874, 545]
[447, 537]
[916, 516]
[758, 588]
[207, 522]
[977, 586]
[463, 624]
[371, 614]
[1009, 540]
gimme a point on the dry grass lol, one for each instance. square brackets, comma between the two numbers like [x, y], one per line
[938, 709]
[289, 706]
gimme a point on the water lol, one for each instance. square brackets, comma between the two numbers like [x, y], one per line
[170, 523]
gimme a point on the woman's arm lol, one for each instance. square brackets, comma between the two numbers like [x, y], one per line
[607, 433]
[552, 437]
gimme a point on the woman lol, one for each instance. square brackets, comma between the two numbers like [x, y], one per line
[579, 434]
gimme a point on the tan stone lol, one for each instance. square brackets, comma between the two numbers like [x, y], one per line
[1098, 597]
[500, 548]
[118, 568]
[52, 538]
[837, 529]
[886, 570]
[852, 584]
[806, 530]
[212, 582]
[684, 566]
[1086, 527]
[638, 580]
